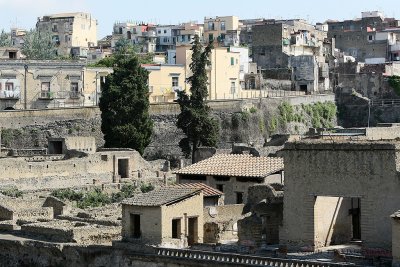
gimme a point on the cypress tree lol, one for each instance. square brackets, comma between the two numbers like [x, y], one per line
[124, 105]
[195, 120]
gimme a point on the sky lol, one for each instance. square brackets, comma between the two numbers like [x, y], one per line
[24, 13]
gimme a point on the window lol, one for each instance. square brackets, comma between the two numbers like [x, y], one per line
[176, 228]
[211, 37]
[222, 25]
[45, 86]
[239, 197]
[223, 37]
[232, 61]
[159, 31]
[233, 88]
[165, 31]
[370, 37]
[66, 38]
[175, 81]
[9, 87]
[54, 28]
[74, 87]
[211, 26]
[220, 187]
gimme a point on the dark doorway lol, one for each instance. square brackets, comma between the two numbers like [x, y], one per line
[55, 147]
[192, 231]
[355, 212]
[303, 87]
[176, 228]
[123, 168]
[135, 226]
[239, 197]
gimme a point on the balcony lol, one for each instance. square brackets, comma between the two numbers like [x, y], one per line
[9, 95]
[46, 95]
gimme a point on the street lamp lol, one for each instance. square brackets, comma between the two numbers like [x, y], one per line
[25, 100]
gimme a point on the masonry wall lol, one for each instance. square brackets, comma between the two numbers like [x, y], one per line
[365, 170]
[189, 208]
[220, 223]
[150, 224]
[396, 242]
[100, 167]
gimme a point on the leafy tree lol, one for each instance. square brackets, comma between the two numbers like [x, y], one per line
[195, 119]
[124, 105]
[38, 45]
[125, 47]
[394, 82]
[5, 39]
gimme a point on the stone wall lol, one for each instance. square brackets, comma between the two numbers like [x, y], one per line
[22, 129]
[368, 171]
[220, 223]
[396, 242]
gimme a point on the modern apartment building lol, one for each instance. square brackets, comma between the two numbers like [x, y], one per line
[73, 33]
[225, 30]
[140, 34]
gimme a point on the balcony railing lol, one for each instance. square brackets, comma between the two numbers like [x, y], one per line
[46, 95]
[15, 94]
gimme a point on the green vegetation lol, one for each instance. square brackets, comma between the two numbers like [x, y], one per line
[195, 120]
[239, 118]
[322, 114]
[253, 110]
[7, 136]
[145, 188]
[39, 46]
[12, 192]
[394, 82]
[124, 104]
[5, 39]
[96, 197]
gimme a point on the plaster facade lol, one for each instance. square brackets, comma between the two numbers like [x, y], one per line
[396, 239]
[156, 222]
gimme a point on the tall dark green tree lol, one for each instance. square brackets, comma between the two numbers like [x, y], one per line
[195, 119]
[124, 105]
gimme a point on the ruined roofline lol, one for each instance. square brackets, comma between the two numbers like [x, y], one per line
[325, 144]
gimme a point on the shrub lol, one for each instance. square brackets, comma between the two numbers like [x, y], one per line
[127, 191]
[253, 110]
[67, 194]
[146, 188]
[94, 198]
[12, 192]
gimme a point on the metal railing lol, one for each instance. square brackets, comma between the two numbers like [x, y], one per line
[385, 102]
[218, 257]
[14, 94]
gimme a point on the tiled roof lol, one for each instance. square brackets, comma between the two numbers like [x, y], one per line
[208, 191]
[237, 165]
[161, 196]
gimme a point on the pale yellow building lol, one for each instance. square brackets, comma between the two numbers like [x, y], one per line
[73, 33]
[165, 81]
[222, 28]
[166, 216]
[223, 73]
[49, 84]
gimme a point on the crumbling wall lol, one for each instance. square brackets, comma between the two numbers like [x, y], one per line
[220, 223]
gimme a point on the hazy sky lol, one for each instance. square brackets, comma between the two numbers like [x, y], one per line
[24, 13]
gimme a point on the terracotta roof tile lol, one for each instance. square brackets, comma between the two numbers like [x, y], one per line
[161, 196]
[237, 165]
[208, 191]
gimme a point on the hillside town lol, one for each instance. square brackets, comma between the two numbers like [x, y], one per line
[225, 142]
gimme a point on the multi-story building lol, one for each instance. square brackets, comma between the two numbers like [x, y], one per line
[188, 31]
[73, 33]
[165, 81]
[46, 84]
[17, 37]
[140, 34]
[223, 72]
[361, 38]
[225, 30]
[246, 32]
[168, 36]
[294, 47]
